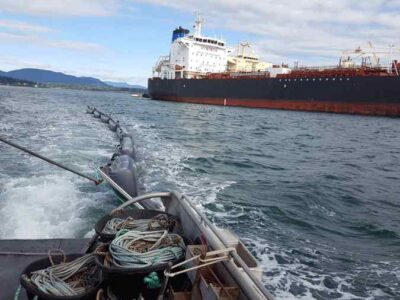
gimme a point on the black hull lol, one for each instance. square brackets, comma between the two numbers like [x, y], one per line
[368, 95]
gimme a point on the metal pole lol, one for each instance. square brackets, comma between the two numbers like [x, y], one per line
[49, 160]
[119, 189]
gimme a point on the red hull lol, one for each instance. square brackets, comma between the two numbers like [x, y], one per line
[382, 109]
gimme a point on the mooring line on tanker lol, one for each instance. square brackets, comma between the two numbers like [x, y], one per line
[50, 161]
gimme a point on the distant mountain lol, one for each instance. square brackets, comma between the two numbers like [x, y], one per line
[125, 85]
[50, 77]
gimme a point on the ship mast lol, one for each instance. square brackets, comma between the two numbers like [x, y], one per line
[197, 25]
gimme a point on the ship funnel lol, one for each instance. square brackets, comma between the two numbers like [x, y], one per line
[179, 33]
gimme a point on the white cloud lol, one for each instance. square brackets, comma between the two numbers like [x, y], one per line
[14, 31]
[96, 8]
[8, 63]
[23, 26]
[311, 30]
[44, 42]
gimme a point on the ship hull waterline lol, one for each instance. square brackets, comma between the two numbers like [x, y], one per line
[369, 95]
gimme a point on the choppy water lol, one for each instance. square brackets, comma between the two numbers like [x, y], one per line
[316, 197]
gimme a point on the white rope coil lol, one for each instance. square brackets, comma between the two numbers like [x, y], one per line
[136, 249]
[159, 222]
[65, 279]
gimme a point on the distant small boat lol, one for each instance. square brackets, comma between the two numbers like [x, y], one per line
[136, 95]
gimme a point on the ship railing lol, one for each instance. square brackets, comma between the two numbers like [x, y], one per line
[162, 60]
[338, 67]
[322, 68]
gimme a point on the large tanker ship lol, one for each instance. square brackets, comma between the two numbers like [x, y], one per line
[204, 70]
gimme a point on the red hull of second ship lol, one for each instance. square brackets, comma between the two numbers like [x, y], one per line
[382, 109]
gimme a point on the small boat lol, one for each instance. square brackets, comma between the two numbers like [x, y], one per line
[234, 270]
[188, 257]
[240, 271]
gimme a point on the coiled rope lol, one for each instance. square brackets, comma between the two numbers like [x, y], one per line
[66, 279]
[136, 249]
[106, 295]
[159, 222]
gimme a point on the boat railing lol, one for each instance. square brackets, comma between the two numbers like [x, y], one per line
[141, 198]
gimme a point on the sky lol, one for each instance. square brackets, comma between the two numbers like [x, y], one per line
[120, 40]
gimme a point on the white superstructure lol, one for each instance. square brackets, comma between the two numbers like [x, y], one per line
[195, 55]
[192, 55]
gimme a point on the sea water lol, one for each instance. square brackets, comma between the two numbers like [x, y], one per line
[315, 196]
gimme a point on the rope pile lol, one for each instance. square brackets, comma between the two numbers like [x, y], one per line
[140, 249]
[159, 222]
[66, 279]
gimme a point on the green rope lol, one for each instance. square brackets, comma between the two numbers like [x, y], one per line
[152, 281]
[97, 175]
[17, 292]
